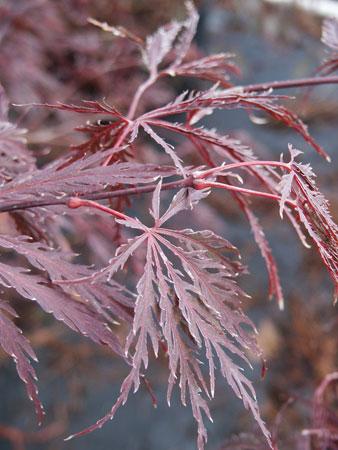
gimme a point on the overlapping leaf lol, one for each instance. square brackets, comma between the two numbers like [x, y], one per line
[88, 107]
[103, 132]
[313, 210]
[103, 297]
[233, 99]
[17, 347]
[214, 68]
[234, 151]
[187, 34]
[188, 296]
[176, 36]
[86, 175]
[159, 44]
[81, 314]
[77, 315]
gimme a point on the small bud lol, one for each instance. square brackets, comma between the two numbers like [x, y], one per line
[74, 202]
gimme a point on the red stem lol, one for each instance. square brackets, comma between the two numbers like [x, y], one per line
[201, 184]
[138, 94]
[28, 204]
[226, 167]
[301, 82]
[131, 113]
[75, 202]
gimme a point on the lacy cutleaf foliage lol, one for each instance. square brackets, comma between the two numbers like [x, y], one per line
[188, 296]
[185, 300]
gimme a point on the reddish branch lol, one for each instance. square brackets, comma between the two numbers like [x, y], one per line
[76, 202]
[196, 181]
[301, 82]
[202, 184]
[238, 165]
[28, 204]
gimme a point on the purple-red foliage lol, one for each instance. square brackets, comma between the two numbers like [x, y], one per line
[183, 295]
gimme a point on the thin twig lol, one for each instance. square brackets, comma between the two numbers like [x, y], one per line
[202, 184]
[301, 82]
[28, 204]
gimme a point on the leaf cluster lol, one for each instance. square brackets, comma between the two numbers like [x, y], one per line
[175, 289]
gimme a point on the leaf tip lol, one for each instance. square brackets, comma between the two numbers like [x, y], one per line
[69, 438]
